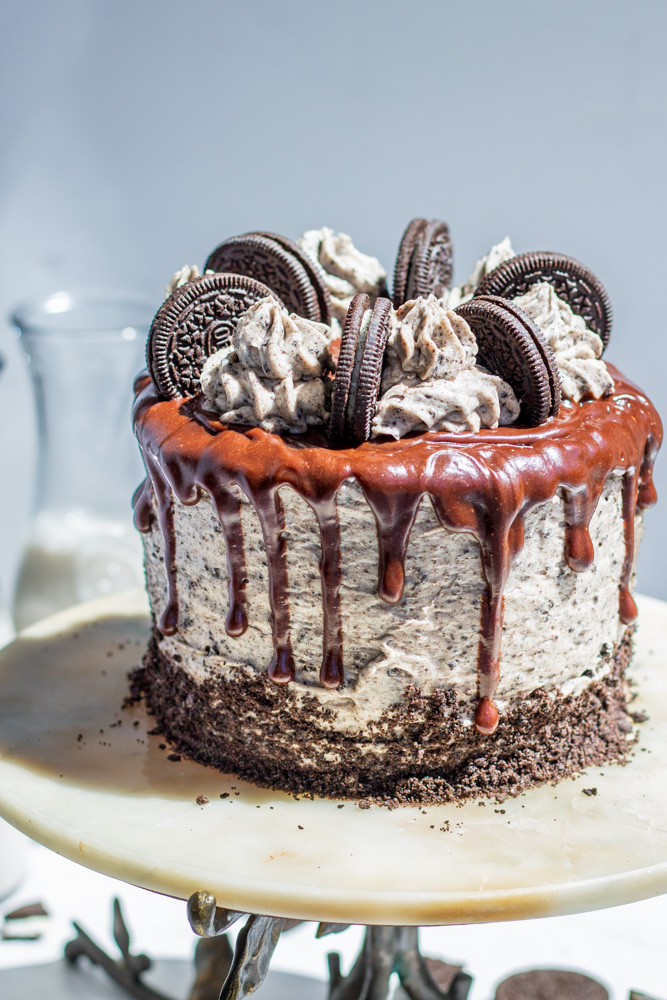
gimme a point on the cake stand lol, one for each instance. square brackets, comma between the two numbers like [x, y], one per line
[85, 777]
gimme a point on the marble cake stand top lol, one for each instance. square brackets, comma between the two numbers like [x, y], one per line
[84, 777]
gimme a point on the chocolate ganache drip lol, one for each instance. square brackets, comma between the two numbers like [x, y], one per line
[483, 483]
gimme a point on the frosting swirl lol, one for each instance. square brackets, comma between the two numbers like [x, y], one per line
[346, 270]
[427, 341]
[270, 375]
[468, 402]
[181, 277]
[429, 379]
[498, 254]
[275, 344]
[576, 348]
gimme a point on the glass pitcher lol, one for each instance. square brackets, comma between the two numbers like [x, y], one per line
[83, 351]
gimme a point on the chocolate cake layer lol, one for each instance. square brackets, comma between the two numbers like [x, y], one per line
[418, 752]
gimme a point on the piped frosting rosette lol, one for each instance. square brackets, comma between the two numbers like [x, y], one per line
[271, 375]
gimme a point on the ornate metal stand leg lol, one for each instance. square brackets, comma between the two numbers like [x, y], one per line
[213, 959]
[126, 971]
[386, 950]
[389, 950]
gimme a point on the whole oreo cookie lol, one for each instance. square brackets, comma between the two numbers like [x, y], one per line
[511, 346]
[573, 281]
[424, 261]
[359, 306]
[403, 258]
[265, 259]
[358, 372]
[197, 320]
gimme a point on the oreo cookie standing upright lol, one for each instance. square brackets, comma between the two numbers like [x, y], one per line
[367, 376]
[541, 344]
[197, 320]
[511, 346]
[359, 370]
[572, 281]
[274, 265]
[359, 306]
[424, 261]
[403, 257]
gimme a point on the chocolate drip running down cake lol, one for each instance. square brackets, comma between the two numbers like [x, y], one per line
[391, 561]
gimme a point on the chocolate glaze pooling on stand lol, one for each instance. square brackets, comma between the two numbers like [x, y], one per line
[482, 483]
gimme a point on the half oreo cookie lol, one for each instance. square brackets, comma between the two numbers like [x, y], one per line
[510, 345]
[269, 259]
[424, 261]
[197, 320]
[573, 281]
[358, 372]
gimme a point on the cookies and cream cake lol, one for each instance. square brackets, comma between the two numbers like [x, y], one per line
[394, 558]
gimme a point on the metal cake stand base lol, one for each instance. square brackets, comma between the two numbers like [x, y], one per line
[88, 779]
[62, 981]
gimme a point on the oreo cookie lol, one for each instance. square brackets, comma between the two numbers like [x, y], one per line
[358, 372]
[197, 320]
[551, 984]
[510, 345]
[359, 306]
[542, 345]
[572, 281]
[313, 271]
[403, 257]
[424, 261]
[277, 266]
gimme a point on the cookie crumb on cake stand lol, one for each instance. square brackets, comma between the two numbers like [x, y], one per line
[91, 782]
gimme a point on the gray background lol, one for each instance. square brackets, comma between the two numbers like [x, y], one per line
[135, 134]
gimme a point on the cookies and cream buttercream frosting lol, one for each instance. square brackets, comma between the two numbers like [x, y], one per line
[347, 271]
[430, 380]
[577, 349]
[270, 375]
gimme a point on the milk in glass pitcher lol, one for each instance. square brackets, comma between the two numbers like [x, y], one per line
[83, 350]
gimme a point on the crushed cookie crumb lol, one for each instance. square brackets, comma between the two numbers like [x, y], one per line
[496, 769]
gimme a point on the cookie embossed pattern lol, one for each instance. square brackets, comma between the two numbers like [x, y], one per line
[442, 503]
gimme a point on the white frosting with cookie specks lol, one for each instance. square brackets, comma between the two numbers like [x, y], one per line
[426, 639]
[346, 271]
[180, 278]
[576, 348]
[270, 376]
[427, 341]
[429, 379]
[275, 344]
[468, 402]
[498, 254]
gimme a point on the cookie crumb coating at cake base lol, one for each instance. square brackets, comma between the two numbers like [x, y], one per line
[420, 752]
